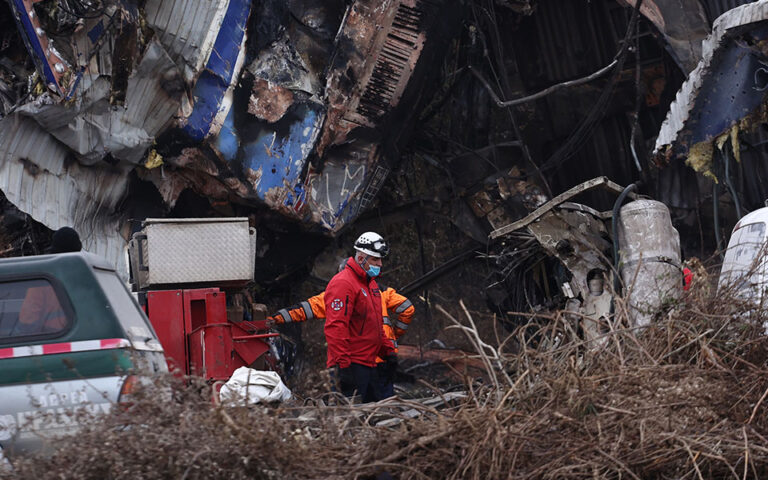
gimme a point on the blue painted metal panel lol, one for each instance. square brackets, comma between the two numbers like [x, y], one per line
[219, 73]
[281, 157]
[95, 33]
[728, 92]
[227, 141]
[276, 153]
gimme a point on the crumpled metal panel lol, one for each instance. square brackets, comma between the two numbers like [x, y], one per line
[281, 64]
[187, 29]
[273, 156]
[37, 176]
[715, 8]
[683, 24]
[205, 39]
[346, 184]
[712, 98]
[269, 140]
[377, 49]
[212, 93]
[91, 127]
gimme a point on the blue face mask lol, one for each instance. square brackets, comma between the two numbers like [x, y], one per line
[373, 271]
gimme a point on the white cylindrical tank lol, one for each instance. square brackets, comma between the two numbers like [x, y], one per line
[649, 249]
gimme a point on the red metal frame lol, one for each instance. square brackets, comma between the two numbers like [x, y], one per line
[166, 312]
[198, 339]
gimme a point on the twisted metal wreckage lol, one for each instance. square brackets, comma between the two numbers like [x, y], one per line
[304, 107]
[293, 116]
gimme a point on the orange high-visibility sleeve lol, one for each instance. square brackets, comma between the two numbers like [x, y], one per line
[313, 307]
[400, 311]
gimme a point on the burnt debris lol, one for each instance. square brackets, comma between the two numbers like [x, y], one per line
[309, 117]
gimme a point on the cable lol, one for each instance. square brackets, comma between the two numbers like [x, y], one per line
[541, 93]
[577, 138]
[615, 229]
[728, 184]
[716, 216]
[638, 97]
[503, 83]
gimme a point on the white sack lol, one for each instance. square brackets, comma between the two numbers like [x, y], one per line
[248, 386]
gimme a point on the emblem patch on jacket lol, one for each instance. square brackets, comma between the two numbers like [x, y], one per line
[337, 304]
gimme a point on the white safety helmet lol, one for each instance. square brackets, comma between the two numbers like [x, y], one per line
[371, 243]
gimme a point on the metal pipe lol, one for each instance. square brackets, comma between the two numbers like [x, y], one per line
[728, 184]
[716, 216]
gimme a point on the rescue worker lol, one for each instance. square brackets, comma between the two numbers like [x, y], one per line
[391, 301]
[354, 325]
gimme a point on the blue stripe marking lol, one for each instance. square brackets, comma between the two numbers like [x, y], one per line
[33, 44]
[213, 82]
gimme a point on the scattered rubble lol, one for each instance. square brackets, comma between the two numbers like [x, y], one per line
[682, 398]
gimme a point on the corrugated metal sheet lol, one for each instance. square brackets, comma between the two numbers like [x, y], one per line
[92, 127]
[205, 39]
[715, 8]
[37, 176]
[570, 39]
[681, 108]
[187, 29]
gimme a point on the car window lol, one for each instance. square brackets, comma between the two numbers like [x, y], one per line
[125, 307]
[31, 307]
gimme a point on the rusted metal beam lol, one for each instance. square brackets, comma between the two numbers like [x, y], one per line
[602, 181]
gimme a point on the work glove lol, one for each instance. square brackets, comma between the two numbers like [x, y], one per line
[271, 321]
[391, 367]
[341, 376]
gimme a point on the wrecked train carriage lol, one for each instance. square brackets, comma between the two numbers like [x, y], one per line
[320, 154]
[181, 86]
[318, 149]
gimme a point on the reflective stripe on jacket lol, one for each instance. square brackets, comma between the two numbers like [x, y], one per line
[394, 304]
[313, 307]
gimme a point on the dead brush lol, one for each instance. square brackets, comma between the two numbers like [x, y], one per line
[684, 398]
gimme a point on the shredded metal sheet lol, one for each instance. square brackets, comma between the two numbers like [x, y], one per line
[187, 29]
[37, 176]
[680, 110]
[91, 127]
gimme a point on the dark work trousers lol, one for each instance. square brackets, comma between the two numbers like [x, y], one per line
[361, 379]
[386, 387]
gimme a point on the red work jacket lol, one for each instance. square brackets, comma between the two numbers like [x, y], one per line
[353, 324]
